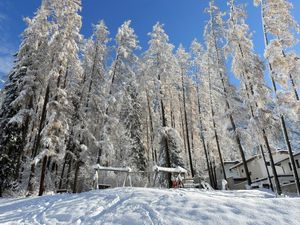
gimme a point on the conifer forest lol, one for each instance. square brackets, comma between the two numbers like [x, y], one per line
[72, 102]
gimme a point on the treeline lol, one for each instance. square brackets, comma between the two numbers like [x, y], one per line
[70, 102]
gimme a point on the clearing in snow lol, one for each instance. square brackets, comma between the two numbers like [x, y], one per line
[153, 206]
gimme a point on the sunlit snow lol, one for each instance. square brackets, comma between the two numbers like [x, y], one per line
[153, 206]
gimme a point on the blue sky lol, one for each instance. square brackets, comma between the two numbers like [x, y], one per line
[184, 20]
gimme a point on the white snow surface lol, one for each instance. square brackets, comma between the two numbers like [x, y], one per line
[153, 206]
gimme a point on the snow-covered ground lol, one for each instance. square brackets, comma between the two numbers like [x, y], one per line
[153, 206]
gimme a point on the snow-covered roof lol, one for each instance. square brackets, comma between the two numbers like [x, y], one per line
[258, 157]
[287, 158]
[266, 178]
[248, 160]
[177, 169]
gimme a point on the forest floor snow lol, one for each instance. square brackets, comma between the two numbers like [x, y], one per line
[153, 206]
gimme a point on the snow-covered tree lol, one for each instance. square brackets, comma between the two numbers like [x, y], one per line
[64, 71]
[88, 116]
[278, 27]
[71, 103]
[183, 62]
[281, 27]
[198, 55]
[214, 34]
[22, 95]
[160, 67]
[249, 69]
[122, 126]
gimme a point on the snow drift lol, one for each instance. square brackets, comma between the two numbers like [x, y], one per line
[152, 206]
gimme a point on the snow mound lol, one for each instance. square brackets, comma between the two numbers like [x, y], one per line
[153, 206]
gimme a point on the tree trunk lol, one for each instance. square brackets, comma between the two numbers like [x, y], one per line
[186, 126]
[203, 138]
[154, 153]
[148, 150]
[237, 137]
[229, 108]
[56, 175]
[214, 174]
[249, 90]
[294, 87]
[292, 82]
[168, 158]
[267, 169]
[241, 151]
[171, 109]
[30, 187]
[113, 75]
[215, 128]
[49, 162]
[277, 184]
[292, 160]
[183, 130]
[42, 122]
[77, 167]
[164, 125]
[69, 172]
[92, 77]
[99, 155]
[62, 173]
[43, 174]
[66, 77]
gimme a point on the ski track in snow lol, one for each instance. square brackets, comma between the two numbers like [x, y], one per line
[130, 206]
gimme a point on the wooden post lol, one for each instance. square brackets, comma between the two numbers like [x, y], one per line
[130, 181]
[124, 182]
[154, 178]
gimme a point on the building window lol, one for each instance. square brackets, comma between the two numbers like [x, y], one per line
[297, 162]
[290, 166]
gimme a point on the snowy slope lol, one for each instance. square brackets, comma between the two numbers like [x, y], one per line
[152, 206]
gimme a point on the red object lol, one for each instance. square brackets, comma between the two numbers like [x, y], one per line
[174, 184]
